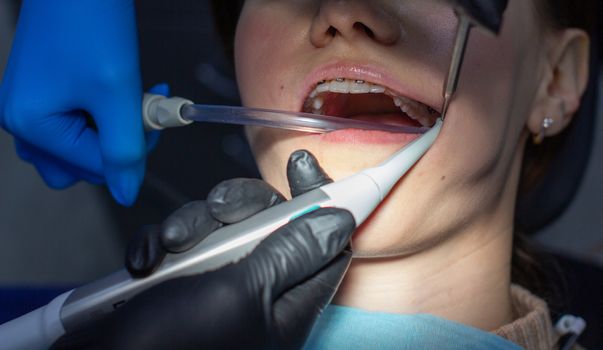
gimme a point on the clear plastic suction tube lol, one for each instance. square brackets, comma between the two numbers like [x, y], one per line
[160, 112]
[305, 122]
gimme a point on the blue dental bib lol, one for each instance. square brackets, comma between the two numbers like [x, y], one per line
[341, 327]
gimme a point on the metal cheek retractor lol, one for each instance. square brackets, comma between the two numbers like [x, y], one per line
[456, 62]
[486, 14]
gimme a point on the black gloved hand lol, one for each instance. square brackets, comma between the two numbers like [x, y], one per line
[269, 299]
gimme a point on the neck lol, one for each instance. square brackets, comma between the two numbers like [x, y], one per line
[463, 280]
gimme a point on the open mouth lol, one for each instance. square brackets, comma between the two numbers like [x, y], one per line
[363, 100]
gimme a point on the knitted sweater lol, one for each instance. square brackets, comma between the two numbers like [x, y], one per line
[532, 328]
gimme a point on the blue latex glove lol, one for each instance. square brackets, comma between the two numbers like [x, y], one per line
[74, 61]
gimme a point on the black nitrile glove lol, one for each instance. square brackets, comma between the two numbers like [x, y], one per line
[270, 299]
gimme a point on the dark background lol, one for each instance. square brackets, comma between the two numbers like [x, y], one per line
[52, 240]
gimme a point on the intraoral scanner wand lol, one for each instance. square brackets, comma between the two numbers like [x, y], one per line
[360, 193]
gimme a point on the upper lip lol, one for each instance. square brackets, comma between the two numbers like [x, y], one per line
[367, 72]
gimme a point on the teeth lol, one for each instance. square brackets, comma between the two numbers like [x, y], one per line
[416, 111]
[345, 86]
[340, 86]
[423, 114]
[359, 87]
[317, 103]
[324, 87]
[376, 89]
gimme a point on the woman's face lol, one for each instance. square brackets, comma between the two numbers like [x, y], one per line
[401, 49]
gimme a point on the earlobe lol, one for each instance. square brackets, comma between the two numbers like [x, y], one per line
[563, 84]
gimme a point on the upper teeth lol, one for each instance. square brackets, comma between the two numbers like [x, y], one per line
[416, 110]
[345, 86]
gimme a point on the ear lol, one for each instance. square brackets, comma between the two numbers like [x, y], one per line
[564, 80]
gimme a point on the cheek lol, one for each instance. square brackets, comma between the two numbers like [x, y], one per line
[492, 105]
[263, 48]
[252, 37]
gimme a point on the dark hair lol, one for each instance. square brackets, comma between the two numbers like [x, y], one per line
[530, 268]
[569, 14]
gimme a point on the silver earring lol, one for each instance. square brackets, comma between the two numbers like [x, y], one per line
[546, 124]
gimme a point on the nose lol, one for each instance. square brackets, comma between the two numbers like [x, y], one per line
[352, 20]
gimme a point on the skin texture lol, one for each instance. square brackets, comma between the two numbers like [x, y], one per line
[445, 231]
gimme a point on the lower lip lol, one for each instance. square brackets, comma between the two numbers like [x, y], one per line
[358, 136]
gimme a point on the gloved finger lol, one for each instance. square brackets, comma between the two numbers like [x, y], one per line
[121, 140]
[296, 311]
[298, 250]
[85, 174]
[304, 173]
[54, 173]
[23, 150]
[160, 89]
[56, 167]
[145, 251]
[237, 199]
[187, 226]
[77, 173]
[66, 137]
